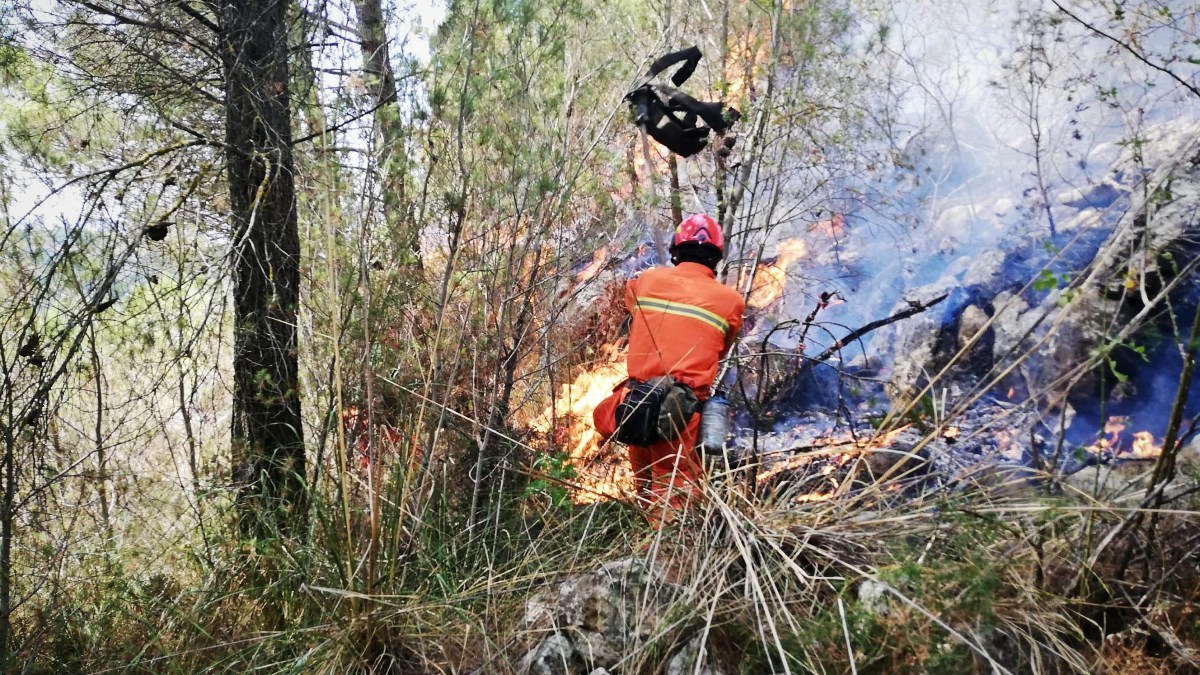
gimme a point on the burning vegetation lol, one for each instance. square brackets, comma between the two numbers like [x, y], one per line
[770, 279]
[1141, 445]
[600, 468]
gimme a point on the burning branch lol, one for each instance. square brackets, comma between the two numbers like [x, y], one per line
[826, 297]
[767, 394]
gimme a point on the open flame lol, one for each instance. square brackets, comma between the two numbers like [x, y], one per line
[828, 465]
[593, 268]
[750, 48]
[599, 474]
[832, 228]
[1141, 447]
[770, 279]
[602, 471]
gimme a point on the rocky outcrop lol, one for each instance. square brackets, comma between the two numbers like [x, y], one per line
[1111, 260]
[594, 623]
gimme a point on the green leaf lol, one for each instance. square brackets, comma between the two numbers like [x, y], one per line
[1046, 281]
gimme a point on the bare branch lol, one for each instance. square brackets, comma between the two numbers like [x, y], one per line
[913, 309]
[1123, 45]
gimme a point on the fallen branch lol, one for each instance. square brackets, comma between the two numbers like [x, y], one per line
[913, 308]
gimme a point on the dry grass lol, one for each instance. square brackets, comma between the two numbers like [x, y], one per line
[873, 580]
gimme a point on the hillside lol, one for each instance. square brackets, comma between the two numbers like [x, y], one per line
[305, 309]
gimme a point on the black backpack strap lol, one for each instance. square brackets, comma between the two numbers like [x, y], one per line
[717, 115]
[681, 137]
[690, 57]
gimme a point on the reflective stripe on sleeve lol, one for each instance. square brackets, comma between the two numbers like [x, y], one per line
[681, 309]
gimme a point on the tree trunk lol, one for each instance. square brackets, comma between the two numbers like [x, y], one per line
[268, 442]
[676, 197]
[7, 501]
[381, 83]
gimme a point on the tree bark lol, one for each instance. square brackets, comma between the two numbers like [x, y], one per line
[268, 441]
[381, 83]
[7, 501]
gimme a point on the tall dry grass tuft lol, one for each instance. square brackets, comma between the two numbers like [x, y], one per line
[923, 585]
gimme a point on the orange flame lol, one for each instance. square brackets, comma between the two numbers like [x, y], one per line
[1142, 447]
[593, 268]
[770, 279]
[659, 162]
[827, 477]
[885, 440]
[748, 49]
[833, 227]
[818, 496]
[1114, 426]
[570, 419]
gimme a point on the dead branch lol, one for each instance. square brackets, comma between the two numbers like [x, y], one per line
[913, 309]
[1123, 45]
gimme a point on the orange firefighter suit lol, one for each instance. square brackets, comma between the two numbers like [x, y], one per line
[684, 321]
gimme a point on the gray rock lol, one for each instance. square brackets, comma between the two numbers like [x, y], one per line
[1189, 455]
[897, 458]
[1097, 480]
[873, 597]
[691, 659]
[986, 272]
[1050, 333]
[1112, 481]
[1011, 320]
[1065, 329]
[893, 461]
[917, 352]
[970, 323]
[554, 655]
[596, 618]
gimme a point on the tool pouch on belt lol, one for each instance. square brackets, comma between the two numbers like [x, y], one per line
[656, 410]
[677, 409]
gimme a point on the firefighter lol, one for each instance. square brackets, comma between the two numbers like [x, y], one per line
[684, 322]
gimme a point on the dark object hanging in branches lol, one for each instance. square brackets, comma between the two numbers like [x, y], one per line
[104, 305]
[157, 231]
[30, 347]
[670, 116]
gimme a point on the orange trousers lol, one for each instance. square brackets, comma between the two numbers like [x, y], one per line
[668, 474]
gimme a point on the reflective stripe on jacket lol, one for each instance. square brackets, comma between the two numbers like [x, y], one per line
[684, 320]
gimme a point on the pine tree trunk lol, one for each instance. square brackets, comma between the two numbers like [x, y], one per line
[7, 501]
[268, 442]
[381, 83]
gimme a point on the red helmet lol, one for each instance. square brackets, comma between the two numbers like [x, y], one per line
[699, 229]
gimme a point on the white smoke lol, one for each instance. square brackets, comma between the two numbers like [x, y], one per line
[1007, 116]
